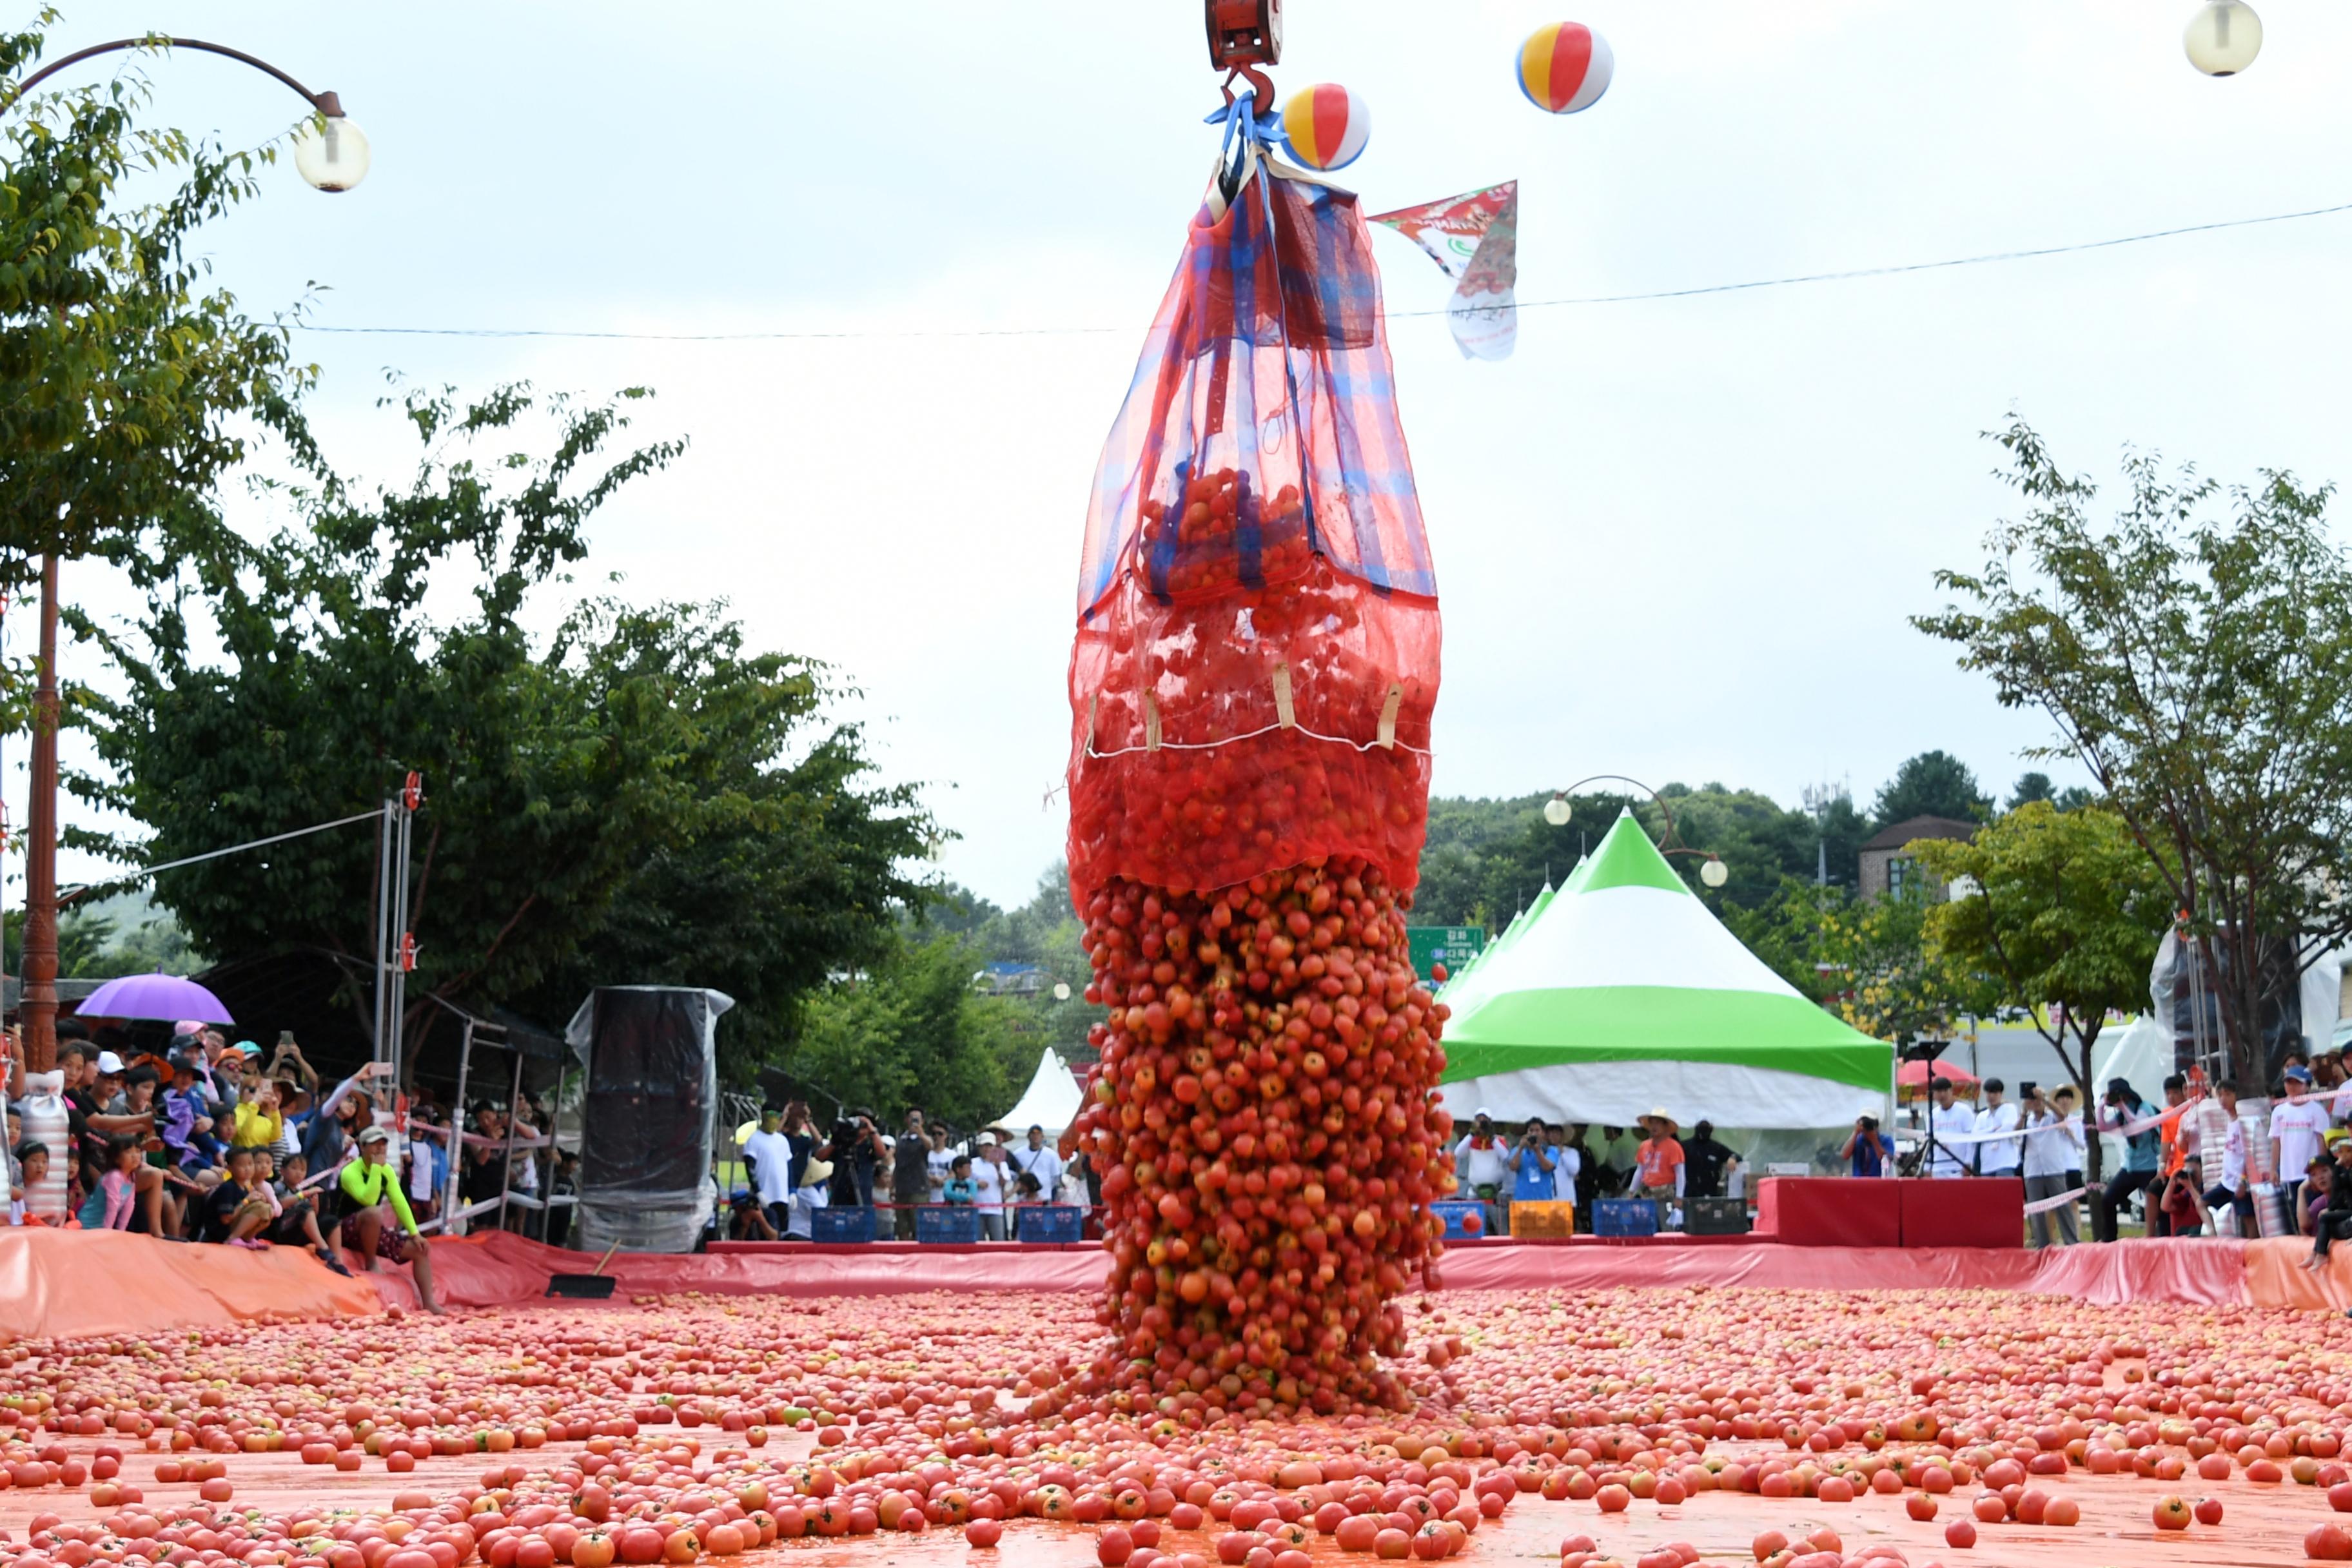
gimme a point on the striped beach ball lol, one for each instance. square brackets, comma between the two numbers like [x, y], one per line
[1325, 126]
[1564, 67]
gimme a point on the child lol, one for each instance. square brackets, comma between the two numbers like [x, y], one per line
[258, 1123]
[811, 1194]
[2183, 1203]
[1028, 1191]
[960, 1188]
[119, 1189]
[186, 1122]
[298, 1216]
[33, 1160]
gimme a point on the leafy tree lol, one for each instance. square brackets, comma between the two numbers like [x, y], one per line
[1042, 932]
[1839, 831]
[124, 381]
[1893, 986]
[2031, 787]
[2068, 908]
[2201, 668]
[635, 754]
[1933, 784]
[912, 1032]
[1787, 931]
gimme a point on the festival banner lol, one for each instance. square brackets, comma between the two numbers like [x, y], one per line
[1475, 238]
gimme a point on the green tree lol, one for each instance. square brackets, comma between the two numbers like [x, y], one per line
[125, 382]
[912, 1032]
[2199, 665]
[1933, 784]
[2031, 787]
[1891, 984]
[2068, 908]
[638, 754]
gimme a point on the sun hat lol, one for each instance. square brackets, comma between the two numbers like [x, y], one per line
[817, 1171]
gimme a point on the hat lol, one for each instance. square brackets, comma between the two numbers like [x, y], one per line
[248, 1047]
[1482, 1114]
[816, 1171]
[987, 1141]
[374, 1136]
[108, 1063]
[2293, 1075]
[1658, 1113]
[187, 1027]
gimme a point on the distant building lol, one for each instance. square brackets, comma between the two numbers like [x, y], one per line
[1009, 979]
[1886, 869]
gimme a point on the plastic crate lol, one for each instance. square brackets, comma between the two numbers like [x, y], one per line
[1051, 1223]
[1547, 1219]
[850, 1222]
[947, 1224]
[1465, 1219]
[1624, 1216]
[1716, 1217]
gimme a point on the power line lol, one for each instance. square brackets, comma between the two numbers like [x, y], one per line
[1846, 274]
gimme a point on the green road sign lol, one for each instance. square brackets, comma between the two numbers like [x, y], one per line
[1452, 946]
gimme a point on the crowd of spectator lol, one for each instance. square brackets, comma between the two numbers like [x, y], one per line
[793, 1168]
[212, 1142]
[1536, 1160]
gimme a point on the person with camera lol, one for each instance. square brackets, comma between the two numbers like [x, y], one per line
[910, 1174]
[1866, 1151]
[1484, 1167]
[859, 1152]
[1534, 1172]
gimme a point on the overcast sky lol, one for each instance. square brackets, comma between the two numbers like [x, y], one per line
[1676, 539]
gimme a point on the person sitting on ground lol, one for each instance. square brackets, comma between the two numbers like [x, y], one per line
[2331, 1221]
[2312, 1193]
[234, 1210]
[372, 1187]
[2181, 1208]
[258, 1123]
[118, 1190]
[298, 1211]
[747, 1219]
[961, 1189]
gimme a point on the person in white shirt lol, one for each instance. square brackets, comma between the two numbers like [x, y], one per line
[988, 1181]
[936, 1161]
[1998, 1156]
[2298, 1131]
[1040, 1161]
[1947, 1119]
[2053, 1147]
[771, 1156]
[2230, 1193]
[1483, 1164]
[811, 1194]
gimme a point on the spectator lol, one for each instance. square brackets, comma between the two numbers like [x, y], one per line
[1040, 1160]
[2173, 1139]
[747, 1220]
[1567, 1161]
[910, 1174]
[235, 1210]
[118, 1190]
[1028, 1191]
[937, 1159]
[1867, 1151]
[2000, 1154]
[185, 1118]
[257, 1121]
[1618, 1147]
[2052, 1145]
[1484, 1167]
[770, 1154]
[988, 1180]
[2298, 1125]
[370, 1190]
[342, 1116]
[960, 1189]
[1707, 1161]
[286, 1062]
[2332, 1220]
[1534, 1173]
[2062, 1101]
[1946, 1119]
[2121, 1107]
[2181, 1210]
[855, 1158]
[2312, 1195]
[1661, 1169]
[32, 1168]
[92, 1131]
[813, 1194]
[1586, 1168]
[800, 1131]
[2230, 1190]
[298, 1213]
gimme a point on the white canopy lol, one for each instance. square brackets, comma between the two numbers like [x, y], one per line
[1052, 1101]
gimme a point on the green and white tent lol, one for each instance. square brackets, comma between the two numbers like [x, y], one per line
[1627, 996]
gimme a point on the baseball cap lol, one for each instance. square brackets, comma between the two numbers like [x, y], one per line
[2299, 1075]
[248, 1047]
[1482, 1111]
[187, 1027]
[110, 1064]
[374, 1136]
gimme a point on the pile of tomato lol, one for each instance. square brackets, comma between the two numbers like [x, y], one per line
[1266, 1122]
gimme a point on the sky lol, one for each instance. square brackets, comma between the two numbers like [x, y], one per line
[1675, 540]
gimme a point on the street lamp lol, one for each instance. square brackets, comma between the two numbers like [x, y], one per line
[338, 162]
[1557, 811]
[1712, 870]
[2223, 37]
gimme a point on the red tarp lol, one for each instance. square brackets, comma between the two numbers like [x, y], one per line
[76, 1282]
[1830, 1211]
[1986, 1210]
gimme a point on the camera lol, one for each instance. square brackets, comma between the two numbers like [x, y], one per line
[844, 1137]
[1870, 1124]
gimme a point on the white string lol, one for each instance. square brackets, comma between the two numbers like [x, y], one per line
[1253, 734]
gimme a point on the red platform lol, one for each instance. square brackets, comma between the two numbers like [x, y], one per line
[1963, 1212]
[1831, 1211]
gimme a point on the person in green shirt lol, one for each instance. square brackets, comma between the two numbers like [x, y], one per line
[370, 1185]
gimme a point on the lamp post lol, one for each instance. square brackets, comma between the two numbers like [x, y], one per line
[1557, 811]
[331, 155]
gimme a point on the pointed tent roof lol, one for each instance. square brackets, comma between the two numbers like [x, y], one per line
[1052, 1101]
[1628, 965]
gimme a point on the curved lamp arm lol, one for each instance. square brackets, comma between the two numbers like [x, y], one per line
[1673, 832]
[326, 103]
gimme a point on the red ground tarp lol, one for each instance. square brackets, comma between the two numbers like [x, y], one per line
[109, 1282]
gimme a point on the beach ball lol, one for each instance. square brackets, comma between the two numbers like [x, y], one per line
[1565, 67]
[1325, 126]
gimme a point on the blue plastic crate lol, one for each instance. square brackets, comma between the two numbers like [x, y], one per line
[947, 1224]
[1045, 1223]
[1457, 1213]
[1624, 1216]
[850, 1222]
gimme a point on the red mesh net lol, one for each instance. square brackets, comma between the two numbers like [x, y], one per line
[1257, 654]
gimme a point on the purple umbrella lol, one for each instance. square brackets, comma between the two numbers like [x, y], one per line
[157, 996]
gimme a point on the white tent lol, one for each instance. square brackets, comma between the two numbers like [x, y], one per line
[1051, 1101]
